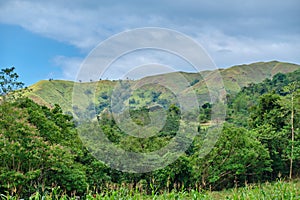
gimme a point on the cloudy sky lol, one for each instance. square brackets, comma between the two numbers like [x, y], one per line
[50, 39]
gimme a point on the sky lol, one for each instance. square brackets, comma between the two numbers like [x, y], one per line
[51, 39]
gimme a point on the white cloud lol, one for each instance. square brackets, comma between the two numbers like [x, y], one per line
[69, 65]
[150, 58]
[231, 32]
[80, 28]
[222, 48]
[225, 49]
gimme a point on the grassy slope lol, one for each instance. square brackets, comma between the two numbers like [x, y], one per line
[61, 92]
[233, 78]
[241, 75]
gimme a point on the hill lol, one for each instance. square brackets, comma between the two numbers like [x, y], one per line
[234, 78]
[257, 143]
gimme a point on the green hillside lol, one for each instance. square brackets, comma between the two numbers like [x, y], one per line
[234, 78]
[46, 154]
[60, 92]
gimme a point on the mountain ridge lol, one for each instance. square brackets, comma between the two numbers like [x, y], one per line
[50, 92]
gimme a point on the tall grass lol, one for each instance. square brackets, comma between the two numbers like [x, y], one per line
[277, 190]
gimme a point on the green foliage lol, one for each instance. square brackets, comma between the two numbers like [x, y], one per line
[44, 157]
[39, 148]
[277, 190]
[238, 157]
[205, 113]
[9, 84]
[234, 78]
[269, 105]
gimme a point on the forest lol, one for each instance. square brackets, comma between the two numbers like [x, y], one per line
[43, 153]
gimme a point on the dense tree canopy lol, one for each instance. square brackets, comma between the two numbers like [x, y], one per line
[41, 148]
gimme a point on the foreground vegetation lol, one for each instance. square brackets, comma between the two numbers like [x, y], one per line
[42, 154]
[276, 190]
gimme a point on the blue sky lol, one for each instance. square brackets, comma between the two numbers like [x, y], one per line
[51, 39]
[32, 54]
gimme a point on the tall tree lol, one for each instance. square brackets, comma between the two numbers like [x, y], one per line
[9, 83]
[291, 89]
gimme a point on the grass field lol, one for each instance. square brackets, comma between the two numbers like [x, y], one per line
[277, 190]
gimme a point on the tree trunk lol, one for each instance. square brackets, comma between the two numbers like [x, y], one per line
[292, 148]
